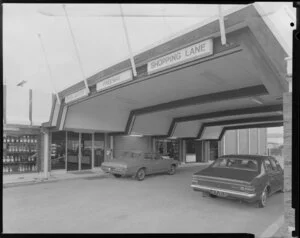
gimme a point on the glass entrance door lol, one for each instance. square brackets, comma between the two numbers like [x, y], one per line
[98, 149]
[213, 150]
[86, 151]
[73, 151]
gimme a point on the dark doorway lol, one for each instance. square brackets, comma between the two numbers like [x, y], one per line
[98, 149]
[199, 151]
[73, 151]
[86, 151]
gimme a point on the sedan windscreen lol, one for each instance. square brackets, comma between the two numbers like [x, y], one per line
[130, 154]
[236, 163]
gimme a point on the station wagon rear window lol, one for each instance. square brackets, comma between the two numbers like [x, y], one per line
[236, 163]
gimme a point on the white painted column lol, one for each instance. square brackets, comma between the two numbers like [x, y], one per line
[258, 141]
[46, 153]
[224, 144]
[238, 141]
[249, 141]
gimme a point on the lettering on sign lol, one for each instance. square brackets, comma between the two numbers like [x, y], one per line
[115, 80]
[196, 51]
[76, 95]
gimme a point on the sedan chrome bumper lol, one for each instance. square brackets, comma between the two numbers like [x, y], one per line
[229, 192]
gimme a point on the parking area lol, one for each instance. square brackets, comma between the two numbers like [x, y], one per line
[104, 204]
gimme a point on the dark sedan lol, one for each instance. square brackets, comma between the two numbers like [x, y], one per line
[251, 178]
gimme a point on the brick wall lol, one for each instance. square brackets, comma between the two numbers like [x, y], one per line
[287, 140]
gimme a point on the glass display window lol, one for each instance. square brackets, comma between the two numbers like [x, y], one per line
[58, 150]
[86, 151]
[20, 155]
[73, 151]
[99, 145]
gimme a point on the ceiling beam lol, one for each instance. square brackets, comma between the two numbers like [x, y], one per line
[234, 112]
[257, 90]
[239, 121]
[261, 125]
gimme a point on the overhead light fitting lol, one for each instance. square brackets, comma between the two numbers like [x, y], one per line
[136, 135]
[257, 100]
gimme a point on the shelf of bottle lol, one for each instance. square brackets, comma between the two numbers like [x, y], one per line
[19, 152]
[21, 162]
[21, 172]
[18, 143]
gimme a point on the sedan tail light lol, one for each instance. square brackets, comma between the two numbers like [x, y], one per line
[249, 189]
[194, 180]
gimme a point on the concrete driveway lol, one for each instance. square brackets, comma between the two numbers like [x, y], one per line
[104, 204]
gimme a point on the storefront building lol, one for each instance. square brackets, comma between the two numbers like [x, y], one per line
[193, 98]
[22, 132]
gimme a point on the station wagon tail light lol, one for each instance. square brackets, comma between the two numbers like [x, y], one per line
[123, 166]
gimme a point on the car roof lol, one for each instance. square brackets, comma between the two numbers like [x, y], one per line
[245, 156]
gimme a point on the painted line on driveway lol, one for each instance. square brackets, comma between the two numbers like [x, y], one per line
[273, 228]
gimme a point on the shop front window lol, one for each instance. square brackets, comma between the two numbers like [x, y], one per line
[98, 149]
[190, 151]
[58, 150]
[168, 148]
[213, 150]
[20, 153]
[86, 151]
[73, 151]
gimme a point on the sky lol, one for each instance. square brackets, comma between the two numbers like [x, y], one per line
[99, 36]
[98, 32]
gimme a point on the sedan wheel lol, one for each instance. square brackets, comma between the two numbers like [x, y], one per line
[140, 175]
[263, 198]
[172, 170]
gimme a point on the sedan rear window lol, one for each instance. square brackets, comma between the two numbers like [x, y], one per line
[236, 163]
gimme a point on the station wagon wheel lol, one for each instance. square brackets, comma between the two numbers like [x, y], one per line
[263, 198]
[172, 170]
[140, 175]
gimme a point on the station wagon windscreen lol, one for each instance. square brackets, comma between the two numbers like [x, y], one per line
[236, 163]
